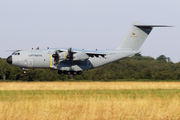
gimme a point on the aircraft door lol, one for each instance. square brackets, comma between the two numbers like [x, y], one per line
[30, 63]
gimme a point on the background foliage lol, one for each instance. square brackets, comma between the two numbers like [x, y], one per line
[135, 68]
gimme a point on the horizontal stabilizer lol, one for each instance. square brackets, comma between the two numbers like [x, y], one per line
[147, 26]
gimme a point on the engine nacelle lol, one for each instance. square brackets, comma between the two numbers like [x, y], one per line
[62, 56]
[80, 56]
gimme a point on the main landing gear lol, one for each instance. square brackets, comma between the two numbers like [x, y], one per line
[70, 72]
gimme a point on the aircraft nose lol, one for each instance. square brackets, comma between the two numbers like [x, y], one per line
[9, 59]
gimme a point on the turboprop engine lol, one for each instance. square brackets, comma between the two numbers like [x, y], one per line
[59, 56]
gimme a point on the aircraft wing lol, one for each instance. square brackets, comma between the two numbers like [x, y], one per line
[89, 53]
[71, 53]
[66, 50]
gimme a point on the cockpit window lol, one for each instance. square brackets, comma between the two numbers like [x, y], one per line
[15, 53]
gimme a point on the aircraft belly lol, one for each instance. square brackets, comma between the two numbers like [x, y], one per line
[75, 66]
[72, 68]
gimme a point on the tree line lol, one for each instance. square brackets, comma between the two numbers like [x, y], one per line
[135, 68]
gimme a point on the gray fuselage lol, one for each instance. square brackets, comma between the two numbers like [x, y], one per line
[44, 59]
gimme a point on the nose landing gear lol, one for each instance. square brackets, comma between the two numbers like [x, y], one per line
[24, 70]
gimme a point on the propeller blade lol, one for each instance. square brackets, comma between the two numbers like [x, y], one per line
[70, 54]
[56, 57]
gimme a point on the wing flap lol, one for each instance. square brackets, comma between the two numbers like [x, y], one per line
[92, 54]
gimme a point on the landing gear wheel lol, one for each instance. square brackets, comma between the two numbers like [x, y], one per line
[74, 72]
[68, 72]
[79, 72]
[59, 72]
[65, 72]
[24, 71]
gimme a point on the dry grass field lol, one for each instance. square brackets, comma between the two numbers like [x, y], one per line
[88, 85]
[90, 101]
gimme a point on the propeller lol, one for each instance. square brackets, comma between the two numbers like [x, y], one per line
[70, 54]
[56, 57]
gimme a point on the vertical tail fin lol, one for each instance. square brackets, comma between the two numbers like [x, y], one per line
[137, 35]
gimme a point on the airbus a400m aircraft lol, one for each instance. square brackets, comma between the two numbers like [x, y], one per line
[74, 61]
